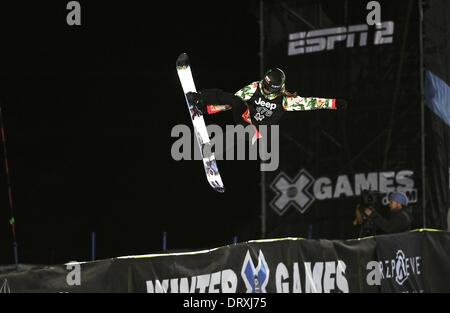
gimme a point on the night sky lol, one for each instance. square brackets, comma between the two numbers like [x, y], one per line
[88, 112]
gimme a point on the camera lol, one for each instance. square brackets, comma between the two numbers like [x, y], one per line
[370, 199]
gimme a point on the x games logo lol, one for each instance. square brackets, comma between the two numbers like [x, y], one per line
[255, 277]
[304, 189]
[292, 192]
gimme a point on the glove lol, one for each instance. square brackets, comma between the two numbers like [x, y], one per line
[341, 104]
[196, 112]
[194, 98]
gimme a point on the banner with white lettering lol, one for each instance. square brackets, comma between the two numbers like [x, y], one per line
[327, 157]
[401, 263]
[418, 261]
[388, 263]
[101, 276]
[281, 266]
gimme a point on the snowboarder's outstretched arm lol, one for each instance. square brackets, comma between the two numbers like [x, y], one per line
[213, 101]
[218, 100]
[299, 103]
[218, 97]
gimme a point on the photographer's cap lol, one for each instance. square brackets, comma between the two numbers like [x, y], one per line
[399, 197]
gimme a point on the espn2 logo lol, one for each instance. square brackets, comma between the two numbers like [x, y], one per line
[326, 39]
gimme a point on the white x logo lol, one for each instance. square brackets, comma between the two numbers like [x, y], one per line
[292, 192]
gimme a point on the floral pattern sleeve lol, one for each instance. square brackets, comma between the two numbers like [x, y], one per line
[247, 92]
[308, 103]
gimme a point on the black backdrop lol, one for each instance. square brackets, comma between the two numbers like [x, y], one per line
[89, 112]
[380, 131]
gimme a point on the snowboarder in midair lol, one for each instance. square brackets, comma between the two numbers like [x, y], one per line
[261, 102]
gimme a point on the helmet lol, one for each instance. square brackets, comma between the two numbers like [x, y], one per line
[273, 80]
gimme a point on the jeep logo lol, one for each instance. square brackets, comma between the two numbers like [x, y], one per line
[270, 106]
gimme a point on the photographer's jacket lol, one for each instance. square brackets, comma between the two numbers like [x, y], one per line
[397, 222]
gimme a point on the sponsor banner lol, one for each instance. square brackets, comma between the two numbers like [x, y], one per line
[303, 190]
[436, 257]
[326, 39]
[100, 276]
[279, 266]
[417, 261]
[400, 261]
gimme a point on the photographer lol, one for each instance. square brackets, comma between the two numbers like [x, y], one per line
[372, 222]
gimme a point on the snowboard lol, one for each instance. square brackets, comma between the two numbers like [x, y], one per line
[201, 133]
